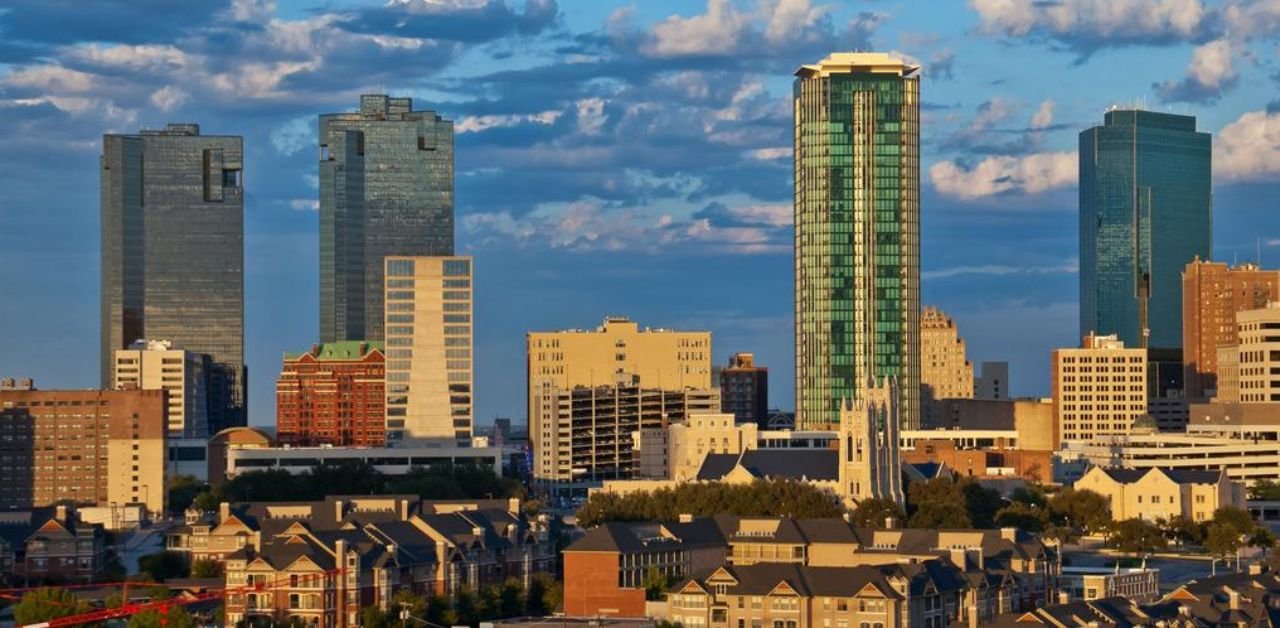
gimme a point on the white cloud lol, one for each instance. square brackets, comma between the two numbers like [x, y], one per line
[789, 17]
[771, 214]
[305, 204]
[169, 98]
[992, 112]
[294, 135]
[1252, 18]
[718, 31]
[769, 154]
[477, 124]
[1097, 19]
[1043, 117]
[143, 58]
[591, 115]
[999, 269]
[1249, 148]
[252, 10]
[51, 78]
[1210, 72]
[1028, 174]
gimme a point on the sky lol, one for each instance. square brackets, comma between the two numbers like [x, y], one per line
[618, 158]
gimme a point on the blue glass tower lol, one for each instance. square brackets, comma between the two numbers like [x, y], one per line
[1145, 212]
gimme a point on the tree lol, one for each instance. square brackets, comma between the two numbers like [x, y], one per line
[1024, 516]
[1031, 495]
[981, 502]
[1137, 536]
[206, 568]
[937, 503]
[183, 490]
[1181, 530]
[163, 565]
[760, 498]
[174, 617]
[656, 584]
[1081, 509]
[545, 595]
[1235, 518]
[874, 512]
[1264, 490]
[1262, 538]
[42, 605]
[1222, 539]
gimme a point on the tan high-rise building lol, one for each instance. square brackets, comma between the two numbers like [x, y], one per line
[1258, 354]
[429, 346]
[646, 363]
[945, 371]
[1212, 294]
[1098, 389]
[158, 365]
[89, 447]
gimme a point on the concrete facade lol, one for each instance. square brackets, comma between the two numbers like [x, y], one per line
[744, 390]
[1212, 294]
[158, 365]
[945, 370]
[1098, 389]
[1258, 354]
[1163, 493]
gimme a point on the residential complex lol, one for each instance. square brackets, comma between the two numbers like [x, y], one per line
[430, 365]
[333, 394]
[50, 544]
[945, 371]
[805, 570]
[1145, 213]
[744, 390]
[1212, 294]
[158, 365]
[173, 254]
[1163, 493]
[857, 233]
[386, 188]
[87, 447]
[1098, 389]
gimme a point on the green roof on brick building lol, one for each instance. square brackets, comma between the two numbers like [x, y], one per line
[343, 350]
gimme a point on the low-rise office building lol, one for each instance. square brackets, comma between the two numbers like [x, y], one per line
[1139, 584]
[333, 394]
[1099, 389]
[386, 460]
[159, 365]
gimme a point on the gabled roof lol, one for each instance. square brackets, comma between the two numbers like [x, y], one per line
[809, 464]
[877, 581]
[1180, 476]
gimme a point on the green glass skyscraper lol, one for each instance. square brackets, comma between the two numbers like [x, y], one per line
[857, 230]
[386, 188]
[1145, 213]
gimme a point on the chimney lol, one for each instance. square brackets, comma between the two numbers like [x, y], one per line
[1256, 569]
[1233, 599]
[686, 517]
[979, 558]
[513, 505]
[957, 557]
[338, 505]
[60, 513]
[890, 522]
[224, 512]
[1064, 597]
[1009, 534]
[973, 616]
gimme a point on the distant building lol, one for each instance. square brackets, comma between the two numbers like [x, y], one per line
[744, 390]
[386, 188]
[333, 394]
[1098, 389]
[993, 381]
[173, 253]
[397, 460]
[1145, 213]
[1212, 294]
[158, 365]
[1095, 583]
[86, 447]
[1257, 356]
[945, 370]
[857, 233]
[430, 338]
[1162, 493]
[1030, 420]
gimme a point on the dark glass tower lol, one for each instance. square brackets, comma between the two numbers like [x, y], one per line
[857, 230]
[386, 188]
[173, 253]
[1145, 213]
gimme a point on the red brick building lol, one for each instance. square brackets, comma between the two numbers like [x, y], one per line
[334, 394]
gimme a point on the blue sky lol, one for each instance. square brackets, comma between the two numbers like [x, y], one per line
[618, 158]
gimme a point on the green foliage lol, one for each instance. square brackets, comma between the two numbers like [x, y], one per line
[938, 503]
[42, 605]
[1234, 518]
[1031, 495]
[1024, 516]
[981, 503]
[1222, 539]
[162, 566]
[759, 498]
[1265, 490]
[183, 490]
[206, 568]
[1137, 536]
[545, 595]
[359, 478]
[1082, 509]
[873, 512]
[175, 617]
[1262, 538]
[656, 584]
[1181, 530]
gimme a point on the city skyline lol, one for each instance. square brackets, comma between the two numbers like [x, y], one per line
[564, 193]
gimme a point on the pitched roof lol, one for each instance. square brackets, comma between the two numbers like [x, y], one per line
[810, 464]
[766, 578]
[1181, 476]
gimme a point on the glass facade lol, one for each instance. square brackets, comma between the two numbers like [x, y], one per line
[1145, 213]
[857, 230]
[386, 188]
[173, 254]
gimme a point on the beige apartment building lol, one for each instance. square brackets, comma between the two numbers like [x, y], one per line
[89, 447]
[1258, 355]
[1163, 493]
[627, 378]
[159, 365]
[1212, 294]
[1098, 390]
[429, 343]
[945, 370]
